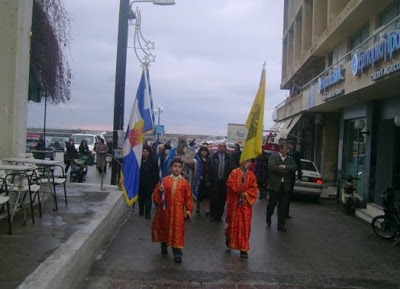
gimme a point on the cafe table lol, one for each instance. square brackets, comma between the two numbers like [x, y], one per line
[21, 170]
[48, 168]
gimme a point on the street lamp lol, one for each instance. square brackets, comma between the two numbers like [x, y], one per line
[156, 2]
[359, 125]
[120, 74]
[158, 111]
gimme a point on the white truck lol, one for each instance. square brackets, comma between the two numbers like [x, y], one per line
[237, 133]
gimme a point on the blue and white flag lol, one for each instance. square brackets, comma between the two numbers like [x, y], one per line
[140, 121]
[150, 96]
[143, 95]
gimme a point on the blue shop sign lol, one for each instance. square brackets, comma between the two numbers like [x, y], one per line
[159, 129]
[335, 76]
[384, 49]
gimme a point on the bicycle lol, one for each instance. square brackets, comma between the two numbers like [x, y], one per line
[387, 226]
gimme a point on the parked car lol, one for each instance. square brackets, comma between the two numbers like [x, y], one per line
[58, 143]
[215, 140]
[49, 151]
[311, 181]
[31, 142]
[90, 138]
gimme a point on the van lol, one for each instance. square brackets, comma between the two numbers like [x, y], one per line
[90, 138]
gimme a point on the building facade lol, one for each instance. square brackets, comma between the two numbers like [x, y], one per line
[341, 63]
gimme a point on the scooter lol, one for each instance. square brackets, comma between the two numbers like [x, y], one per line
[78, 171]
[349, 198]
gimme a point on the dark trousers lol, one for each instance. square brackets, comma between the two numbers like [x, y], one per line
[144, 204]
[218, 200]
[281, 199]
[177, 252]
[290, 195]
[67, 165]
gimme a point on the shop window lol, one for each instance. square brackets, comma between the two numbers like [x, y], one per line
[359, 37]
[389, 14]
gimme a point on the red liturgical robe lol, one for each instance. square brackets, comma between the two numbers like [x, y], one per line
[169, 221]
[239, 210]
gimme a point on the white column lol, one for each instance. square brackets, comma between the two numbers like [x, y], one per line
[15, 32]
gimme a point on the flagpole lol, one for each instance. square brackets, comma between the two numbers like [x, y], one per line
[120, 76]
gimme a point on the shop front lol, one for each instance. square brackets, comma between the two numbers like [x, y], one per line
[387, 172]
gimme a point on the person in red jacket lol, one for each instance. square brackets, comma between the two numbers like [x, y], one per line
[242, 191]
[173, 198]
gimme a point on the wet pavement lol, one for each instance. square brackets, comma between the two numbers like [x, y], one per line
[323, 248]
[29, 246]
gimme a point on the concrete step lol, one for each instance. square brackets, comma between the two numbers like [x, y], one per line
[329, 191]
[370, 212]
[374, 209]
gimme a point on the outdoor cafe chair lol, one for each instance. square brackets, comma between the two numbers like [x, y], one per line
[5, 201]
[49, 177]
[22, 185]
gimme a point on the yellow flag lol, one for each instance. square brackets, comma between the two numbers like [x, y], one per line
[255, 124]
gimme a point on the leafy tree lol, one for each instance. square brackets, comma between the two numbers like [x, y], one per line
[50, 73]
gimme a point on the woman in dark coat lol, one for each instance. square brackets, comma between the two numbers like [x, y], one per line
[83, 148]
[70, 154]
[147, 181]
[203, 186]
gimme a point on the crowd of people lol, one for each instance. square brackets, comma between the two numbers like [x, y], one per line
[173, 178]
[101, 149]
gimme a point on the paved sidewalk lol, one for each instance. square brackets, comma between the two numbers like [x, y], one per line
[323, 248]
[57, 251]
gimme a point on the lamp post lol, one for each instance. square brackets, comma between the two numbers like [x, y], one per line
[158, 111]
[120, 74]
[359, 125]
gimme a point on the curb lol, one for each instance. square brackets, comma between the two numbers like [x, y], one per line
[68, 266]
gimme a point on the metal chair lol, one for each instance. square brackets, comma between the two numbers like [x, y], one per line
[21, 185]
[5, 201]
[49, 178]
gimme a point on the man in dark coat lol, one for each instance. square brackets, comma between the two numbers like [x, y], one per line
[281, 166]
[296, 155]
[221, 167]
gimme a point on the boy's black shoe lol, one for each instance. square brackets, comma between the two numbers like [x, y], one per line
[244, 254]
[269, 223]
[164, 251]
[177, 259]
[147, 216]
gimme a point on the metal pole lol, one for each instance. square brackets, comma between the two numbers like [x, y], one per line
[120, 75]
[45, 119]
[358, 157]
[159, 115]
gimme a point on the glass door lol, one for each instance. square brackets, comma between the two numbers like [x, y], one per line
[354, 155]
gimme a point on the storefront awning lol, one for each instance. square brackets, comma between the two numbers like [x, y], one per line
[286, 126]
[276, 127]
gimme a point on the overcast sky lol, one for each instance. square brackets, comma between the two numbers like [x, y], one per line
[209, 56]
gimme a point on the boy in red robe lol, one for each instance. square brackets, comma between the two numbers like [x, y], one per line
[242, 191]
[173, 198]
